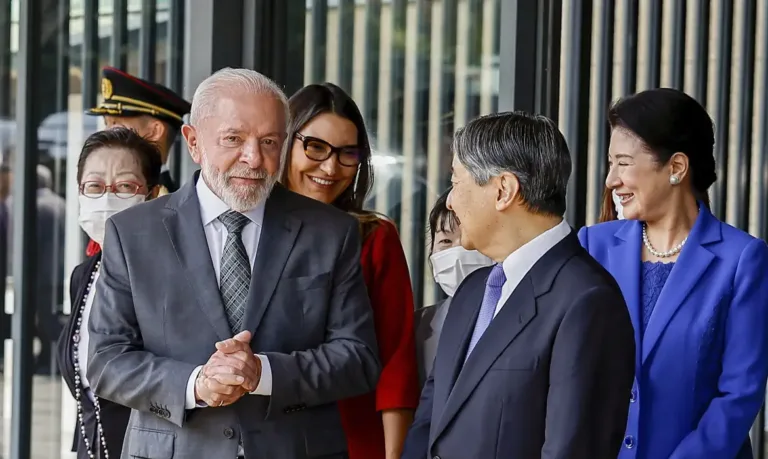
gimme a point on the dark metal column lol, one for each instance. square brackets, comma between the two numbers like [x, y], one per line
[629, 73]
[653, 47]
[605, 38]
[174, 71]
[677, 59]
[346, 44]
[744, 99]
[119, 49]
[372, 39]
[62, 57]
[723, 106]
[148, 39]
[531, 74]
[576, 130]
[90, 50]
[701, 55]
[319, 15]
[5, 58]
[24, 228]
[418, 144]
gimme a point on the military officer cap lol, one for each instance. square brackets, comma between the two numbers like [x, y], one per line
[127, 95]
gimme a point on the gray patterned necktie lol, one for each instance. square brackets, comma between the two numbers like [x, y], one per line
[235, 273]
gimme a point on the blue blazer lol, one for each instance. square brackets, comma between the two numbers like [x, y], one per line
[701, 366]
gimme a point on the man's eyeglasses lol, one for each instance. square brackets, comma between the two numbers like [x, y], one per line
[123, 190]
[320, 150]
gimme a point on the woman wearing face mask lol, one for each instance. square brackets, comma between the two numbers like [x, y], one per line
[330, 160]
[117, 169]
[451, 263]
[694, 285]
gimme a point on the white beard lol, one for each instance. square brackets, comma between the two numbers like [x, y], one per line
[238, 198]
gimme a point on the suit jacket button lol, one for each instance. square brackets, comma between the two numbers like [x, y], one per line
[229, 433]
[165, 413]
[629, 442]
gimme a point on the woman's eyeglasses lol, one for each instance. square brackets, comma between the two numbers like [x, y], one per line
[320, 150]
[123, 190]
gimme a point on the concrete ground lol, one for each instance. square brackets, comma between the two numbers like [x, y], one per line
[46, 419]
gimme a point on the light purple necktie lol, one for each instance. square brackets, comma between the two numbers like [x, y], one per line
[490, 299]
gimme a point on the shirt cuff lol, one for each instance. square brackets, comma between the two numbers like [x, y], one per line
[189, 401]
[265, 383]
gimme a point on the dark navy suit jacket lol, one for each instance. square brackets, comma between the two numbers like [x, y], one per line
[701, 365]
[550, 378]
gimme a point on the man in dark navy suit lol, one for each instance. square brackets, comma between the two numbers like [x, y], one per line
[536, 357]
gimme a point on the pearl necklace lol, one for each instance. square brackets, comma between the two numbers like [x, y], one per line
[79, 389]
[673, 251]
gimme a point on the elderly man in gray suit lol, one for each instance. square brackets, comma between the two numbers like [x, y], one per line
[232, 314]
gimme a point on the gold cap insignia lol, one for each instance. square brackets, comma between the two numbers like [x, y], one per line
[106, 88]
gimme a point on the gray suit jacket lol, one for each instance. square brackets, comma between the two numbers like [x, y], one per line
[158, 314]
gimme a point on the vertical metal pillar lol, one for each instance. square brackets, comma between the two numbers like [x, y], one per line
[148, 39]
[24, 228]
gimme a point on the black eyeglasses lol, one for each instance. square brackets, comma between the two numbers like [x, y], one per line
[320, 150]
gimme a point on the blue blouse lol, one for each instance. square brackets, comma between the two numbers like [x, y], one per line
[655, 275]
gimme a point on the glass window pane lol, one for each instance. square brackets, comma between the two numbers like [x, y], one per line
[418, 70]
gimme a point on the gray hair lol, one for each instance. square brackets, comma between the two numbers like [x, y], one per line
[529, 146]
[228, 79]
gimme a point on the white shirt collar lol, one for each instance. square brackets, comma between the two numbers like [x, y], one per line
[519, 262]
[211, 206]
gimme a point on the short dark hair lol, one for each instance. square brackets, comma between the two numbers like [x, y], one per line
[121, 137]
[441, 218]
[529, 146]
[669, 121]
[314, 100]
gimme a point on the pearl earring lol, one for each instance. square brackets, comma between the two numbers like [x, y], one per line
[674, 179]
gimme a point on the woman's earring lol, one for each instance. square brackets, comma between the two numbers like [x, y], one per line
[674, 179]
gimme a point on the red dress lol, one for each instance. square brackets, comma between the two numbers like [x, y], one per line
[389, 287]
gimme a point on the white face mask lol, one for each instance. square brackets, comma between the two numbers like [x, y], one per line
[95, 212]
[451, 266]
[617, 204]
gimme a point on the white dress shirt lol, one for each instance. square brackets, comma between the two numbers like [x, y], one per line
[82, 347]
[519, 262]
[211, 206]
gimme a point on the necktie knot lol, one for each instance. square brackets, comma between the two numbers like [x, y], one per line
[233, 221]
[497, 277]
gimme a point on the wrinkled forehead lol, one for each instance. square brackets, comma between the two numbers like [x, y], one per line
[257, 114]
[112, 162]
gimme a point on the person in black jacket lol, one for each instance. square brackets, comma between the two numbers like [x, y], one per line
[117, 169]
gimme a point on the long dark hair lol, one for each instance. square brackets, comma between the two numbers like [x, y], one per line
[608, 208]
[314, 100]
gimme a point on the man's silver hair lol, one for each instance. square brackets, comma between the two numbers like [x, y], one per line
[232, 80]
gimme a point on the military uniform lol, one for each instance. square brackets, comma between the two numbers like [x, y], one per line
[126, 95]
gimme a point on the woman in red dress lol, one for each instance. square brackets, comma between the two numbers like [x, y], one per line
[329, 159]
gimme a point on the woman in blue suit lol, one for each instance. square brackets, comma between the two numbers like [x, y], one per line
[696, 288]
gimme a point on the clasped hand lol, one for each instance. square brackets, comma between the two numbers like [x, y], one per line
[231, 372]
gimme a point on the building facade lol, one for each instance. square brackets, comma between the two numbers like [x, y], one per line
[419, 69]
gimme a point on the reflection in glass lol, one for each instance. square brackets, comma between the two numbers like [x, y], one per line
[418, 70]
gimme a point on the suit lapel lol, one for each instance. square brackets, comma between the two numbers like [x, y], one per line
[275, 244]
[695, 260]
[454, 338]
[185, 229]
[624, 262]
[517, 312]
